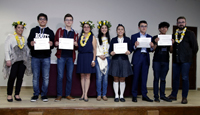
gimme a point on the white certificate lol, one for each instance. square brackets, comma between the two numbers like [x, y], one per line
[144, 42]
[66, 43]
[120, 48]
[41, 44]
[165, 40]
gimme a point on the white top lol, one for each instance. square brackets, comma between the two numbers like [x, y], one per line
[120, 40]
[103, 49]
[10, 43]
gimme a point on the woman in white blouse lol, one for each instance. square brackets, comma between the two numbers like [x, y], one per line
[103, 59]
[17, 60]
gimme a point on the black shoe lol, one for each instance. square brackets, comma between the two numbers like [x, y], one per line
[184, 101]
[172, 98]
[10, 100]
[134, 99]
[44, 98]
[156, 100]
[166, 99]
[116, 100]
[122, 100]
[81, 99]
[34, 98]
[147, 99]
[17, 99]
[86, 100]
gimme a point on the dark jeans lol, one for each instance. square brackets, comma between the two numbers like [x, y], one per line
[61, 62]
[160, 71]
[17, 71]
[38, 64]
[183, 69]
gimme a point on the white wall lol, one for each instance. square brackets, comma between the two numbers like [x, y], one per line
[126, 12]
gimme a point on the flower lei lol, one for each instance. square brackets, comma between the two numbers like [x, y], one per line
[105, 22]
[19, 23]
[87, 22]
[182, 35]
[86, 39]
[18, 41]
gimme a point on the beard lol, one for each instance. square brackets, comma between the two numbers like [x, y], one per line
[181, 27]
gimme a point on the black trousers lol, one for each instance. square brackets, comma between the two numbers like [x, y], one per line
[17, 71]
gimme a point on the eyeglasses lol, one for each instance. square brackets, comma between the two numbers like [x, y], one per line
[42, 19]
[143, 26]
[86, 26]
[181, 22]
[68, 20]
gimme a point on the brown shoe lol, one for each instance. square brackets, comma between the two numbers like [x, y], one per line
[58, 99]
[105, 98]
[70, 98]
[99, 98]
[184, 100]
[172, 98]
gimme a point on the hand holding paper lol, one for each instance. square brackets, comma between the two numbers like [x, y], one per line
[165, 40]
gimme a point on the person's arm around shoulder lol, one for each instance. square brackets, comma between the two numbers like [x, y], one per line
[75, 41]
[171, 48]
[30, 41]
[94, 44]
[56, 39]
[7, 49]
[111, 52]
[129, 47]
[194, 43]
[51, 42]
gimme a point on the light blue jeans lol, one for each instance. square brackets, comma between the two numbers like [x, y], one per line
[101, 79]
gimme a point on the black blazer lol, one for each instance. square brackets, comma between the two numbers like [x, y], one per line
[123, 56]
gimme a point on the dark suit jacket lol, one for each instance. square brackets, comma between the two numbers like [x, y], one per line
[123, 56]
[137, 51]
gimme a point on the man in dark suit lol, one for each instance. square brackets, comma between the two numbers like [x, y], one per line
[184, 48]
[141, 62]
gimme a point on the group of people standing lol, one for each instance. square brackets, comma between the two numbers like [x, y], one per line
[97, 55]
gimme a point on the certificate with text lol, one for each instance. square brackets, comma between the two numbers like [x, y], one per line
[144, 42]
[66, 43]
[41, 44]
[120, 48]
[165, 40]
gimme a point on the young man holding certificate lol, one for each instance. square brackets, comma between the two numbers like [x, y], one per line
[184, 48]
[161, 62]
[142, 45]
[66, 43]
[40, 42]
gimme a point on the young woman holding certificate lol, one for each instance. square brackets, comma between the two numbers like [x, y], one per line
[86, 56]
[103, 59]
[17, 60]
[120, 67]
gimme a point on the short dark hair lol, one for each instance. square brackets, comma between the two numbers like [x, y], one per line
[142, 21]
[163, 24]
[42, 14]
[68, 15]
[180, 17]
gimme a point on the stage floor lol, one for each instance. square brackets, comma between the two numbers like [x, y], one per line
[26, 94]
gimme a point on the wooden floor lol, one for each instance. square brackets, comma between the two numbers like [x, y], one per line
[97, 107]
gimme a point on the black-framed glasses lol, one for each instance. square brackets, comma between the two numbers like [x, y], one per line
[143, 26]
[181, 22]
[42, 19]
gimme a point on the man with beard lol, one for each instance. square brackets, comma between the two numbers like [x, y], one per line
[184, 48]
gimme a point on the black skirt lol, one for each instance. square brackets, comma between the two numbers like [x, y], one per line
[120, 68]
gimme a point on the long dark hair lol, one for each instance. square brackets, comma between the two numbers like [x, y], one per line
[100, 34]
[124, 29]
[83, 31]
